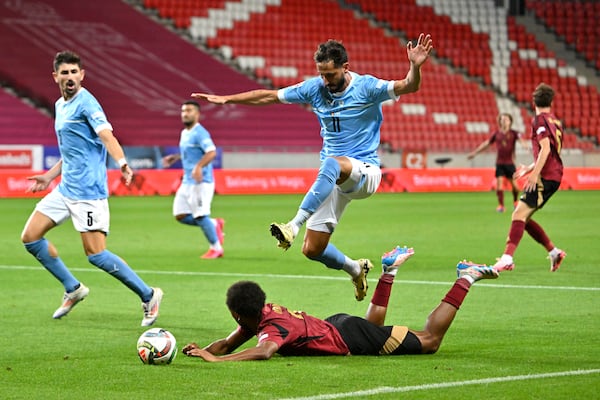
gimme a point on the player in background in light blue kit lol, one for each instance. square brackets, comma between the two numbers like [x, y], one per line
[84, 138]
[348, 106]
[194, 196]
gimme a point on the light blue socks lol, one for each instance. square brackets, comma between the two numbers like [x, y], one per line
[323, 185]
[331, 257]
[205, 223]
[115, 266]
[39, 249]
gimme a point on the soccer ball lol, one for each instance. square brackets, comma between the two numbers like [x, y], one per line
[157, 346]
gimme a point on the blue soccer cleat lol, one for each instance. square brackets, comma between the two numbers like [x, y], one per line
[476, 271]
[396, 257]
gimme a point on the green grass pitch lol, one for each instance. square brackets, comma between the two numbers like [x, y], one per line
[531, 334]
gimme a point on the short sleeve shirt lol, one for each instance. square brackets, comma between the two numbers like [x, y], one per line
[193, 144]
[297, 333]
[77, 124]
[351, 120]
[505, 145]
[546, 125]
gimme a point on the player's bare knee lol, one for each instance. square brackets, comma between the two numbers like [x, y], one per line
[312, 249]
[311, 252]
[27, 236]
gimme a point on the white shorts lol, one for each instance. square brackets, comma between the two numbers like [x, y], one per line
[362, 183]
[194, 199]
[87, 215]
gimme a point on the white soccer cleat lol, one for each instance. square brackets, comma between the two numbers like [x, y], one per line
[504, 263]
[70, 300]
[555, 261]
[151, 307]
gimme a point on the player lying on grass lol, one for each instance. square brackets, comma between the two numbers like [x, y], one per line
[290, 333]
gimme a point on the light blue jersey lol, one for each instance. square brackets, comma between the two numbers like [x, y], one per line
[351, 120]
[77, 124]
[193, 144]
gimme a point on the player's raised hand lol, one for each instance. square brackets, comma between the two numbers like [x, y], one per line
[418, 54]
[211, 98]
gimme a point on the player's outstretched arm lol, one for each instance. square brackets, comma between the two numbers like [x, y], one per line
[257, 97]
[417, 55]
[482, 146]
[220, 346]
[42, 181]
[263, 351]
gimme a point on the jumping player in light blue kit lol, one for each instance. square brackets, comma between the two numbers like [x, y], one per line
[194, 196]
[348, 106]
[84, 138]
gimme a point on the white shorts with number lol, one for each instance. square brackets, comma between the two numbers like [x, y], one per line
[194, 199]
[87, 215]
[362, 183]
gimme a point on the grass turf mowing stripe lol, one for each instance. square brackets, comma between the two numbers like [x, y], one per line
[246, 275]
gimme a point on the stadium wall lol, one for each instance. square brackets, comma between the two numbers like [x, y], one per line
[151, 182]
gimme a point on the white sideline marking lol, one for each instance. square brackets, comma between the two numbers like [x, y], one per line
[341, 278]
[442, 385]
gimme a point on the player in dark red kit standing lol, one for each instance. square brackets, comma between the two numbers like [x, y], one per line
[545, 175]
[505, 139]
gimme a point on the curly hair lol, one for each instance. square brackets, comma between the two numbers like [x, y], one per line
[331, 50]
[246, 298]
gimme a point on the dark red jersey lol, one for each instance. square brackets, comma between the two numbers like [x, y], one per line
[505, 145]
[546, 125]
[299, 334]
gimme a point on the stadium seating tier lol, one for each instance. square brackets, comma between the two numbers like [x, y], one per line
[140, 72]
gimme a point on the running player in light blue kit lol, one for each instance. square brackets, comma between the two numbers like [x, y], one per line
[194, 196]
[348, 106]
[84, 138]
